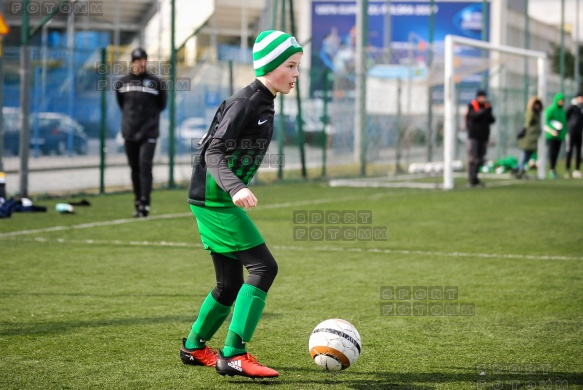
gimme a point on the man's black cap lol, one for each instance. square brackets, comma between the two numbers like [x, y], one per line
[481, 92]
[139, 53]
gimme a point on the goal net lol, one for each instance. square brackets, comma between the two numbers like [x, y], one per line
[420, 107]
[512, 74]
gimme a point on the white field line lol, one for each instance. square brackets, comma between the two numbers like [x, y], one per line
[369, 183]
[430, 253]
[91, 225]
[312, 249]
[184, 215]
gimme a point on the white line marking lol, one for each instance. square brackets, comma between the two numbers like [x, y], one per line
[306, 202]
[315, 248]
[429, 253]
[184, 215]
[91, 225]
[391, 183]
[111, 242]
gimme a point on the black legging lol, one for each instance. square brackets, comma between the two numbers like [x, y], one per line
[140, 158]
[554, 146]
[476, 154]
[574, 141]
[259, 262]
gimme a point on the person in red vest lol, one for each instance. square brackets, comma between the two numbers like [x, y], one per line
[478, 121]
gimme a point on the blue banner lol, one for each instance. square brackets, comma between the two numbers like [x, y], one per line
[334, 31]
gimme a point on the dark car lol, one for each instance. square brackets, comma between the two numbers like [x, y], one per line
[49, 132]
[11, 117]
[54, 133]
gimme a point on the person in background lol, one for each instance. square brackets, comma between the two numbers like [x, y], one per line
[141, 98]
[555, 131]
[479, 118]
[528, 143]
[574, 136]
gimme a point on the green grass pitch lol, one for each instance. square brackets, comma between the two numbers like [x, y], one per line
[97, 300]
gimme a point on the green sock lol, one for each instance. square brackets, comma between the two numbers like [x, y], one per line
[210, 318]
[234, 345]
[248, 309]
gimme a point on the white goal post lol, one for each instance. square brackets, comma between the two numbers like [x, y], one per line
[450, 98]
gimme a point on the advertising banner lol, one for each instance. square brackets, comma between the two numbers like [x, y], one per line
[334, 35]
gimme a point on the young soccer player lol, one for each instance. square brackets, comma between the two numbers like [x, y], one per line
[231, 154]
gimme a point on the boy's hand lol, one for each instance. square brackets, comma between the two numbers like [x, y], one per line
[245, 198]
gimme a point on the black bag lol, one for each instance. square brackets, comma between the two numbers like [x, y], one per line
[521, 133]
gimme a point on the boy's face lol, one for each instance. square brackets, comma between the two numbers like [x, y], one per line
[283, 78]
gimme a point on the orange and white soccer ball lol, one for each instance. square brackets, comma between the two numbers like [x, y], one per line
[335, 344]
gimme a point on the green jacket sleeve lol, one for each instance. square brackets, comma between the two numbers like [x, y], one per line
[549, 113]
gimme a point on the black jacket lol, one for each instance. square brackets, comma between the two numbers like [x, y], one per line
[478, 120]
[575, 119]
[238, 140]
[141, 99]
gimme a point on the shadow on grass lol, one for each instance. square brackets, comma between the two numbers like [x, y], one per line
[326, 384]
[26, 328]
[422, 381]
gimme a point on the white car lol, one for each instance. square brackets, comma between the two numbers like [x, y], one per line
[192, 128]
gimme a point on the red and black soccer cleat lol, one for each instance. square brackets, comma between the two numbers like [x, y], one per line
[198, 357]
[244, 365]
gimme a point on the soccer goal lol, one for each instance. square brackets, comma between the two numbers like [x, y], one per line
[460, 62]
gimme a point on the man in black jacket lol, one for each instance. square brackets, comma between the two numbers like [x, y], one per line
[141, 97]
[478, 120]
[575, 136]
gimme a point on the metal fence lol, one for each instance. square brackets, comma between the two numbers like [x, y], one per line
[404, 125]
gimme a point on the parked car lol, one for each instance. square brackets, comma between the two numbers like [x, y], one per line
[189, 133]
[192, 128]
[54, 132]
[49, 132]
[11, 117]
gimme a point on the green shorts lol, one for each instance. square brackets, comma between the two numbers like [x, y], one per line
[226, 229]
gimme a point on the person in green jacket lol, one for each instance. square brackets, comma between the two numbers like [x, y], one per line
[529, 142]
[555, 130]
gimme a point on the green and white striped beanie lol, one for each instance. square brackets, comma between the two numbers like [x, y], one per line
[271, 49]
